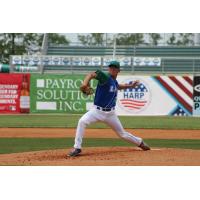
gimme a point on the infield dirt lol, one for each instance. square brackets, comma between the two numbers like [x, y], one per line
[97, 133]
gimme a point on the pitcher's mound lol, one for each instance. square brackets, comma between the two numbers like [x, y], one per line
[106, 156]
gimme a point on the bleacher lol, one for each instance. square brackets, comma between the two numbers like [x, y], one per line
[168, 51]
[85, 51]
[174, 59]
[125, 51]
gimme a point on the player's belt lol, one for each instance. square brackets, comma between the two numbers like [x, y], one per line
[105, 109]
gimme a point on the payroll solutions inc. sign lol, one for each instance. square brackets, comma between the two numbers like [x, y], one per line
[59, 94]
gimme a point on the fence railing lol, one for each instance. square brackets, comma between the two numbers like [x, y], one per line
[73, 64]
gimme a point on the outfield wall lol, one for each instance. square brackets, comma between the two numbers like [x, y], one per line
[49, 93]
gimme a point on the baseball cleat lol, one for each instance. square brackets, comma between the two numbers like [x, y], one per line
[74, 152]
[144, 146]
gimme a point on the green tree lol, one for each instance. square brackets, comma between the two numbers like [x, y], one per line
[130, 39]
[84, 39]
[95, 39]
[17, 44]
[25, 43]
[172, 40]
[185, 39]
[55, 38]
[181, 39]
[154, 38]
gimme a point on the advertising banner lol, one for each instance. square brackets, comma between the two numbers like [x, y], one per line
[59, 94]
[146, 61]
[158, 95]
[16, 60]
[155, 95]
[86, 61]
[4, 68]
[124, 61]
[196, 96]
[14, 93]
[19, 68]
[38, 60]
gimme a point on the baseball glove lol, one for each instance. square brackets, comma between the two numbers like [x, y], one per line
[87, 90]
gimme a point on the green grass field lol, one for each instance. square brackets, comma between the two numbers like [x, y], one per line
[13, 145]
[70, 121]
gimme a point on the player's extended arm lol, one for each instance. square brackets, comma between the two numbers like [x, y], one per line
[126, 86]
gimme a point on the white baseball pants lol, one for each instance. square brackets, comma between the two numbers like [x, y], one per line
[110, 118]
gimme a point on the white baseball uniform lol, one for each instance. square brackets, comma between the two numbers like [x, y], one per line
[110, 118]
[104, 111]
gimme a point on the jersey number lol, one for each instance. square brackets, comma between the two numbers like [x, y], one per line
[113, 89]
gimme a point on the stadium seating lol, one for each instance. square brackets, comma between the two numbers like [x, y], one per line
[125, 51]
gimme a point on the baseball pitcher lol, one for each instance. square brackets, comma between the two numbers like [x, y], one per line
[104, 106]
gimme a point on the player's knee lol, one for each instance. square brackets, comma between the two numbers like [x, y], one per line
[82, 122]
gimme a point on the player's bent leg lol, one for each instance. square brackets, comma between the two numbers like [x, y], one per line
[116, 125]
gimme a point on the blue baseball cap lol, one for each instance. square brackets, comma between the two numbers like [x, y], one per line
[114, 64]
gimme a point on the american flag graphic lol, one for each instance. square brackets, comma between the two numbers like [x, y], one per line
[181, 88]
[179, 112]
[134, 98]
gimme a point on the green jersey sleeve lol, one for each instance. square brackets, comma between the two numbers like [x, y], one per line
[102, 77]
